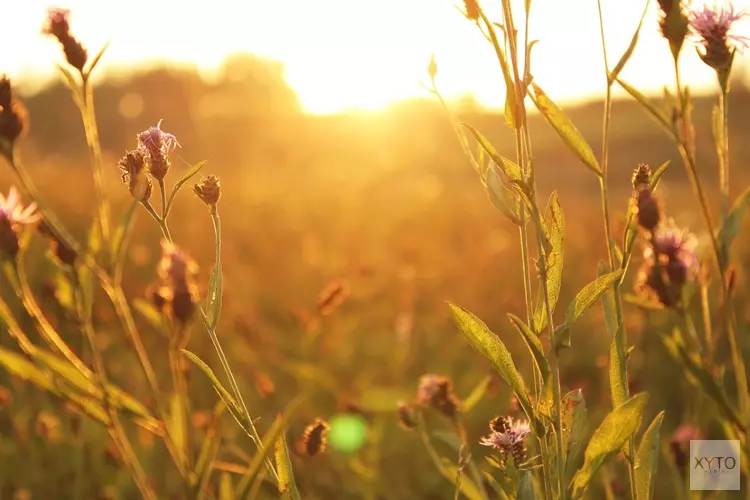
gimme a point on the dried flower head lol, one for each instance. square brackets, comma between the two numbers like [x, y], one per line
[508, 436]
[155, 145]
[713, 27]
[57, 25]
[670, 263]
[177, 271]
[437, 391]
[406, 416]
[673, 24]
[13, 116]
[641, 176]
[13, 216]
[133, 172]
[208, 190]
[315, 438]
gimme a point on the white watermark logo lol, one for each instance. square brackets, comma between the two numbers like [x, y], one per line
[714, 465]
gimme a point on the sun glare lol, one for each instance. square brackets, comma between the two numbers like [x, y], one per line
[354, 54]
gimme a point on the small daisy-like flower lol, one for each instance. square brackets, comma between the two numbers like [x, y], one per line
[509, 436]
[713, 27]
[12, 216]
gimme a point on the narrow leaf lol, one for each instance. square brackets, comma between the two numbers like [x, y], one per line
[657, 174]
[213, 301]
[565, 129]
[226, 491]
[729, 231]
[629, 51]
[608, 440]
[487, 343]
[657, 114]
[508, 167]
[576, 414]
[182, 180]
[646, 460]
[97, 58]
[526, 489]
[554, 228]
[223, 393]
[286, 483]
[176, 424]
[534, 345]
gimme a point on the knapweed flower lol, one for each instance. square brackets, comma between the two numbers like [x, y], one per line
[208, 190]
[508, 436]
[713, 27]
[155, 145]
[13, 216]
[670, 263]
[437, 391]
[133, 172]
[315, 438]
[177, 290]
[12, 115]
[648, 208]
[57, 25]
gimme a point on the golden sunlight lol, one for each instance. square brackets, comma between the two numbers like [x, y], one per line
[353, 54]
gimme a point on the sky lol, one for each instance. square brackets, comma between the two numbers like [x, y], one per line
[356, 54]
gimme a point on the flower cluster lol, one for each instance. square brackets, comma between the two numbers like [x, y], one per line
[57, 26]
[509, 437]
[13, 216]
[670, 259]
[176, 295]
[149, 159]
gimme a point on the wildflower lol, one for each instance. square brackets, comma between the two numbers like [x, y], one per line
[177, 289]
[406, 417]
[713, 29]
[155, 145]
[12, 217]
[508, 436]
[673, 24]
[437, 391]
[58, 248]
[133, 172]
[208, 190]
[670, 263]
[57, 25]
[315, 438]
[12, 115]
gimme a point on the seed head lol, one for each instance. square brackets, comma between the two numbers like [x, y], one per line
[437, 391]
[713, 28]
[133, 172]
[641, 176]
[57, 25]
[315, 438]
[508, 436]
[208, 190]
[13, 216]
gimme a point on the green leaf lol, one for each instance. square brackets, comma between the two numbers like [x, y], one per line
[565, 129]
[526, 489]
[582, 301]
[213, 301]
[646, 460]
[657, 114]
[226, 491]
[487, 343]
[511, 99]
[657, 174]
[97, 58]
[476, 395]
[232, 405]
[534, 345]
[176, 425]
[24, 369]
[554, 228]
[501, 197]
[496, 487]
[279, 426]
[574, 414]
[617, 389]
[508, 167]
[287, 485]
[729, 231]
[629, 51]
[181, 181]
[608, 440]
[72, 84]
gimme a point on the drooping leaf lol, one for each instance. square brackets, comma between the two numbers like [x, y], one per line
[511, 99]
[565, 129]
[588, 295]
[646, 460]
[508, 167]
[534, 345]
[487, 343]
[629, 51]
[608, 439]
[501, 197]
[287, 485]
[554, 228]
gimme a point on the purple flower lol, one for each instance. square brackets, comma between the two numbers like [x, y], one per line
[12, 210]
[57, 23]
[675, 245]
[510, 434]
[154, 142]
[713, 27]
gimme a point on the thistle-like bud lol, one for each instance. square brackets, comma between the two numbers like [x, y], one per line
[13, 117]
[57, 25]
[155, 145]
[673, 23]
[208, 190]
[641, 176]
[133, 172]
[314, 439]
[437, 391]
[648, 209]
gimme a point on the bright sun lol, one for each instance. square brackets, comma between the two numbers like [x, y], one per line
[357, 54]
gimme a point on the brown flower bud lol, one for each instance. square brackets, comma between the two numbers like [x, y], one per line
[641, 176]
[133, 172]
[649, 209]
[208, 190]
